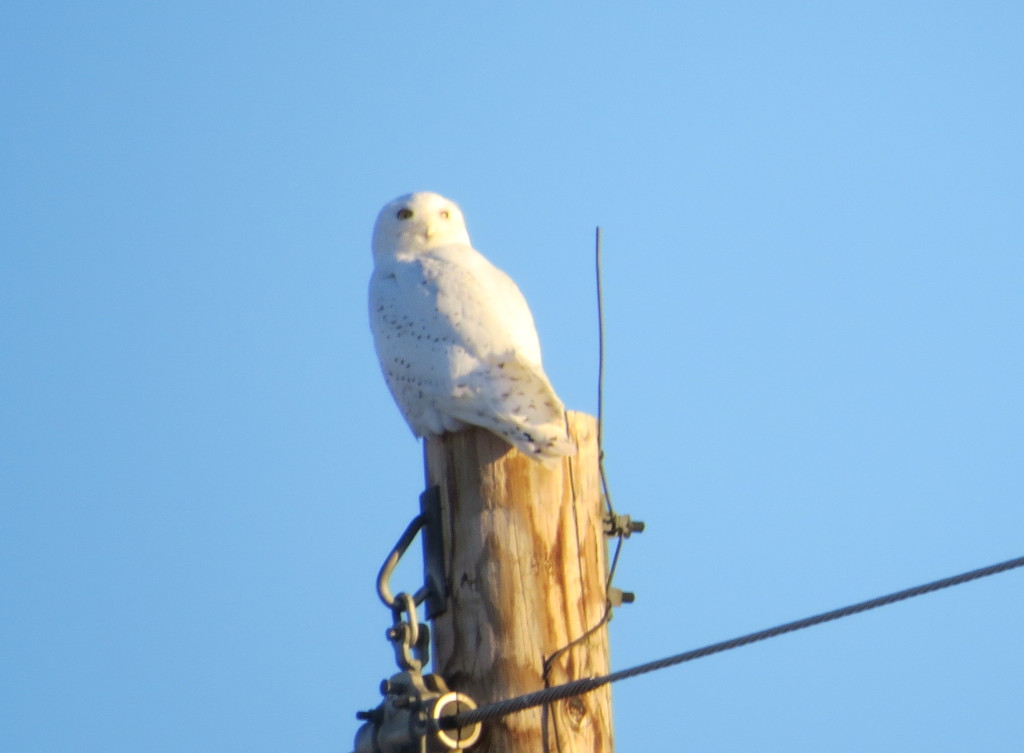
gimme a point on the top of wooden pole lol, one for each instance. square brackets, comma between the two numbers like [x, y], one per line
[525, 563]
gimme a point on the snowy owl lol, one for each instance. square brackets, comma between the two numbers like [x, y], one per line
[454, 335]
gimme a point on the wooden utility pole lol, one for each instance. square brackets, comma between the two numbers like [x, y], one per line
[525, 563]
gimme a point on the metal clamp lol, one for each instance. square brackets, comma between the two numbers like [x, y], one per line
[408, 720]
[622, 525]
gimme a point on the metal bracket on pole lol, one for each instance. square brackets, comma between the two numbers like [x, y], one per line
[433, 590]
[433, 553]
[409, 719]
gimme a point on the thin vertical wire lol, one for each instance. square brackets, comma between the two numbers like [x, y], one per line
[600, 343]
[549, 661]
[600, 372]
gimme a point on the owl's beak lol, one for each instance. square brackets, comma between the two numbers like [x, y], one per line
[431, 230]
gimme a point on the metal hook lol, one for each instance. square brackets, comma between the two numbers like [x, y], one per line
[388, 568]
[433, 591]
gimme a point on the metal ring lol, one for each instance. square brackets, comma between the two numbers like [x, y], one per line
[450, 704]
[407, 604]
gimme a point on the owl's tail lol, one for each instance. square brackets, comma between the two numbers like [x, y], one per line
[528, 414]
[547, 444]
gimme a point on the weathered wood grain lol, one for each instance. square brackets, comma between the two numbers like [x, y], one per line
[526, 566]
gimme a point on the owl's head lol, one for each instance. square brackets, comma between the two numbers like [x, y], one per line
[418, 222]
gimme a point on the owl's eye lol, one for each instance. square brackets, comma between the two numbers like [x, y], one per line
[404, 214]
[444, 214]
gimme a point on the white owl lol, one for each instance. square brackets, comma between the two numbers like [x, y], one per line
[454, 335]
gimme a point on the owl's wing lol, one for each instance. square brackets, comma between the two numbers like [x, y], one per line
[513, 399]
[482, 303]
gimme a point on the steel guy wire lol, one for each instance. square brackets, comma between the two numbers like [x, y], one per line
[587, 684]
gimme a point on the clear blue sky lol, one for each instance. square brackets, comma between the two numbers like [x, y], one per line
[814, 264]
